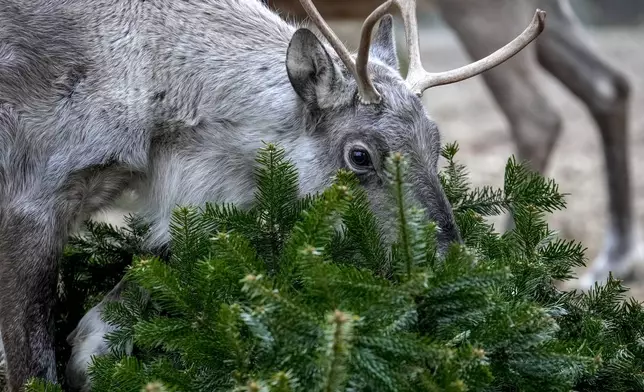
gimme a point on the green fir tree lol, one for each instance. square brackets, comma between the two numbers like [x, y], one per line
[282, 297]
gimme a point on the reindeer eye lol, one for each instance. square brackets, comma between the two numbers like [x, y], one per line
[360, 157]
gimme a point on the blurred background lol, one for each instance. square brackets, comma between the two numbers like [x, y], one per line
[467, 113]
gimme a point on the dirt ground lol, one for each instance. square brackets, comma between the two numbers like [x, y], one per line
[466, 113]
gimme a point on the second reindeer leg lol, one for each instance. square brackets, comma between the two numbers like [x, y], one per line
[564, 50]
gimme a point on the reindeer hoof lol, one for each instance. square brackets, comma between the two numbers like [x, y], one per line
[623, 258]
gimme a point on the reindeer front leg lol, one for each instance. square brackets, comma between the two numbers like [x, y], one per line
[43, 190]
[31, 240]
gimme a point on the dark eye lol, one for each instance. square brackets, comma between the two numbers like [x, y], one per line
[360, 157]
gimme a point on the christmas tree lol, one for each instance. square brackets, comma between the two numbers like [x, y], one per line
[306, 294]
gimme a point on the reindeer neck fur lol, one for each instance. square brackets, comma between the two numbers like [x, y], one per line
[184, 91]
[227, 88]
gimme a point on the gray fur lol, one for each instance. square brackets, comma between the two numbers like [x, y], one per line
[2, 365]
[87, 340]
[171, 99]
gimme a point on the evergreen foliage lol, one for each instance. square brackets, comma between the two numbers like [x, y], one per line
[282, 297]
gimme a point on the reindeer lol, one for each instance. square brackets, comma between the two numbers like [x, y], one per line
[173, 99]
[566, 53]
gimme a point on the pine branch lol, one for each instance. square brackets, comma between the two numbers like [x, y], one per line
[305, 293]
[525, 187]
[361, 230]
[277, 193]
[42, 386]
[415, 232]
[338, 336]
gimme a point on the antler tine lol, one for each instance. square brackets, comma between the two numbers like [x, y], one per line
[368, 93]
[333, 39]
[420, 80]
[408, 12]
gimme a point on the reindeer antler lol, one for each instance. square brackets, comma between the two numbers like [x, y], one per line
[418, 79]
[366, 91]
[363, 49]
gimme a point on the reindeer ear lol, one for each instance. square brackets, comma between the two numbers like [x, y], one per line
[383, 46]
[310, 69]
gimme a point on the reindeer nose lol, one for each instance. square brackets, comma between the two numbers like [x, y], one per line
[443, 215]
[431, 195]
[448, 232]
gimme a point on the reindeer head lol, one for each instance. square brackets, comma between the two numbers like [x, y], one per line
[363, 110]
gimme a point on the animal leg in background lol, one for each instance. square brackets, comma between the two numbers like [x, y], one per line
[565, 51]
[534, 123]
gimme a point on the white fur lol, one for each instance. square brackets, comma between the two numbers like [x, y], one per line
[620, 256]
